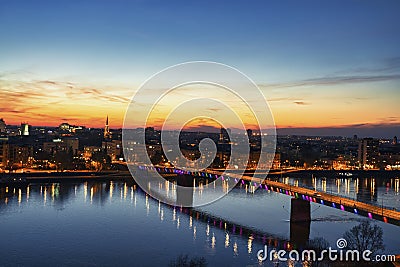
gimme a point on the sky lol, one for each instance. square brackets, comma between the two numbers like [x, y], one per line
[328, 65]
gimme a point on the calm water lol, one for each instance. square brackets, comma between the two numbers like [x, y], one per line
[115, 223]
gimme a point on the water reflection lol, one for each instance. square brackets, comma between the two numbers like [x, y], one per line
[159, 221]
[369, 190]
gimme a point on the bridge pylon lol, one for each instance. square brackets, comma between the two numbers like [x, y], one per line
[184, 197]
[300, 220]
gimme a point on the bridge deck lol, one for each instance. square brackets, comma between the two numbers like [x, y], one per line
[381, 213]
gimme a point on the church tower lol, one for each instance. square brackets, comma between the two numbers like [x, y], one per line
[107, 133]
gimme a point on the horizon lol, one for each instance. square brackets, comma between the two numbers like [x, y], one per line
[362, 131]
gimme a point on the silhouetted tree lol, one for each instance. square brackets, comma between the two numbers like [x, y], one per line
[184, 261]
[64, 159]
[318, 244]
[157, 158]
[365, 237]
[102, 158]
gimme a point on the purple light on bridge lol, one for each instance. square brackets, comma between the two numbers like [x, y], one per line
[369, 215]
[334, 205]
[266, 187]
[255, 184]
[242, 182]
[341, 207]
[235, 180]
[355, 211]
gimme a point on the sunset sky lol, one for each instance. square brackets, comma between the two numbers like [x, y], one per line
[329, 64]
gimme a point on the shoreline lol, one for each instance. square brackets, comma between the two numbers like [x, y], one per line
[77, 176]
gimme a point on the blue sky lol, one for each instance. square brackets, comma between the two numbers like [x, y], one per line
[121, 43]
[316, 38]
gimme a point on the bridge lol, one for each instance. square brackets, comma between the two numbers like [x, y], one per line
[301, 197]
[300, 211]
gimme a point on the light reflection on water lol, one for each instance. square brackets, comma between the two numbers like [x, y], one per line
[375, 191]
[100, 223]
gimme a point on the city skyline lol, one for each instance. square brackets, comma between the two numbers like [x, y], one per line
[360, 131]
[344, 77]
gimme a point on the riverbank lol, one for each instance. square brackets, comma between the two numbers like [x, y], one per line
[56, 177]
[45, 177]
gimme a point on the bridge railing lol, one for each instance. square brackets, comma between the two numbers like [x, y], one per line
[338, 195]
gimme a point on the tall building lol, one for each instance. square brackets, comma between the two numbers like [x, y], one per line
[224, 136]
[3, 152]
[368, 153]
[25, 128]
[107, 133]
[2, 126]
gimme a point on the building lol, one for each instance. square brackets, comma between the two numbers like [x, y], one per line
[58, 145]
[72, 143]
[67, 128]
[25, 129]
[19, 155]
[64, 127]
[113, 149]
[276, 164]
[249, 133]
[224, 136]
[3, 152]
[341, 163]
[88, 151]
[368, 153]
[2, 126]
[107, 133]
[394, 140]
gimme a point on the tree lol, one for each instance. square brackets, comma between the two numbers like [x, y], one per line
[365, 237]
[184, 261]
[318, 244]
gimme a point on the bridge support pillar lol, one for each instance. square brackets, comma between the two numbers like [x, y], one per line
[300, 220]
[300, 210]
[184, 196]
